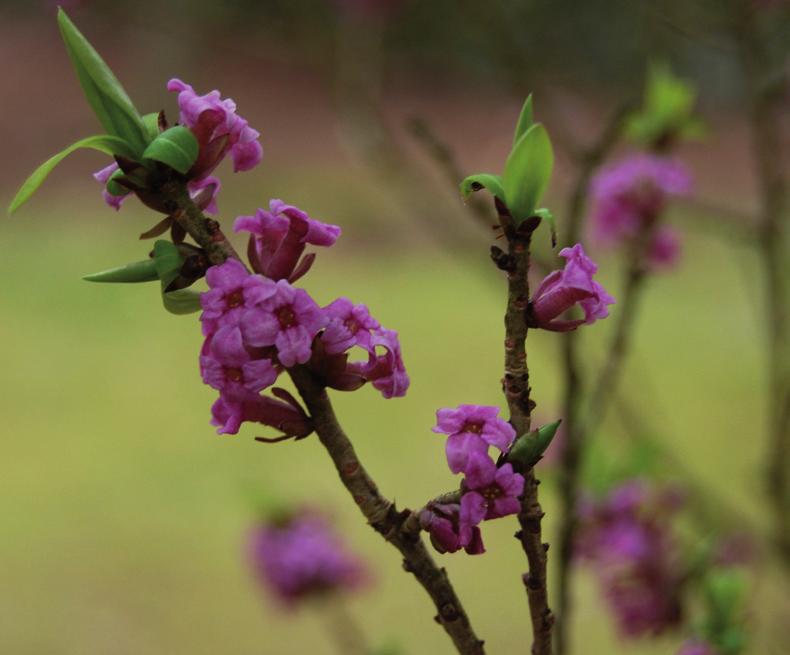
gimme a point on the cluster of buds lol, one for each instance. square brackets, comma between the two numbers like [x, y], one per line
[631, 196]
[627, 537]
[298, 557]
[258, 324]
[488, 491]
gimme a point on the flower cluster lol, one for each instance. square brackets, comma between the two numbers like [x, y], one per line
[562, 290]
[219, 131]
[630, 196]
[626, 536]
[487, 491]
[257, 324]
[300, 557]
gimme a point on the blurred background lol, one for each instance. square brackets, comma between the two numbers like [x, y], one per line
[124, 516]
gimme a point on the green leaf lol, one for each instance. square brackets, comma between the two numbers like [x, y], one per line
[667, 109]
[183, 301]
[525, 120]
[724, 591]
[177, 147]
[168, 262]
[668, 96]
[492, 183]
[109, 145]
[548, 217]
[102, 89]
[529, 448]
[527, 172]
[144, 271]
[151, 122]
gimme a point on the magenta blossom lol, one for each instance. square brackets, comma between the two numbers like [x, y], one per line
[630, 195]
[232, 292]
[204, 193]
[384, 370]
[102, 176]
[227, 366]
[349, 325]
[284, 414]
[288, 319]
[218, 129]
[490, 492]
[443, 523]
[471, 429]
[664, 248]
[633, 192]
[279, 237]
[627, 538]
[561, 290]
[302, 557]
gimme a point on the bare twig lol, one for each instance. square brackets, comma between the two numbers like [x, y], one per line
[774, 240]
[343, 630]
[444, 157]
[570, 467]
[516, 388]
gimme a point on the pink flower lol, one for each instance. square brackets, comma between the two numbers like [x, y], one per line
[218, 129]
[288, 319]
[349, 325]
[471, 429]
[301, 557]
[204, 193]
[627, 538]
[443, 523]
[664, 250]
[631, 195]
[279, 238]
[285, 415]
[227, 366]
[385, 371]
[102, 176]
[561, 290]
[489, 492]
[232, 291]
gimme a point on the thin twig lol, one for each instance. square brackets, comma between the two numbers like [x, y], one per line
[444, 157]
[570, 466]
[516, 388]
[343, 629]
[767, 140]
[382, 515]
[737, 226]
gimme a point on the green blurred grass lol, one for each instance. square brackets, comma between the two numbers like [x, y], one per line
[124, 515]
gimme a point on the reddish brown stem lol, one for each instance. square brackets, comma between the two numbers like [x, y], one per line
[383, 517]
[516, 387]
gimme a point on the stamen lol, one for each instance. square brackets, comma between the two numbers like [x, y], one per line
[235, 299]
[286, 317]
[234, 374]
